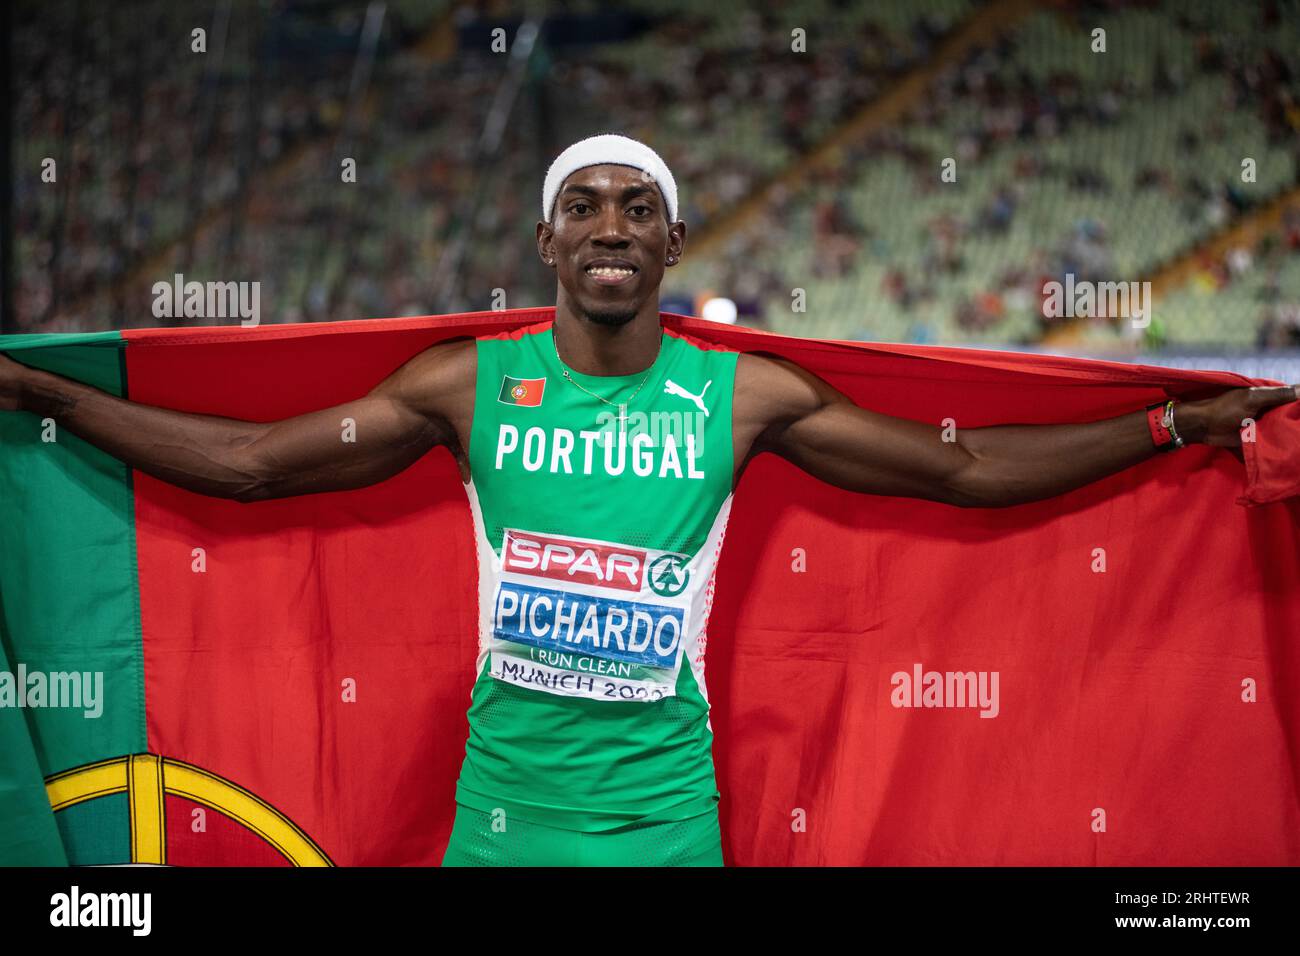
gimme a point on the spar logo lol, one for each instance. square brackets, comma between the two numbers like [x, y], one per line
[596, 563]
[121, 808]
[668, 575]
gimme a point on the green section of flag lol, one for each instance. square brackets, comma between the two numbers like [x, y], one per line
[28, 836]
[97, 832]
[69, 600]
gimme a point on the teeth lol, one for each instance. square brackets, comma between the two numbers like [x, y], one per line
[612, 272]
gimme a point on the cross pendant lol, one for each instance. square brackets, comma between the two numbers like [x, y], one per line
[622, 418]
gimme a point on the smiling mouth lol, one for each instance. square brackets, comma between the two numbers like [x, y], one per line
[610, 275]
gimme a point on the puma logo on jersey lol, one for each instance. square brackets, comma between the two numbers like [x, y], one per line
[672, 388]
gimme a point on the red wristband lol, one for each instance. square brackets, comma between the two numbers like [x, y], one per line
[1156, 422]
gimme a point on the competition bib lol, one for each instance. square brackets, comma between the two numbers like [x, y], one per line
[582, 617]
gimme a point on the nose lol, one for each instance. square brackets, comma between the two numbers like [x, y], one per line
[610, 228]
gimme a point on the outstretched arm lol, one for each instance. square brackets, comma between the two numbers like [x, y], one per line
[817, 427]
[397, 422]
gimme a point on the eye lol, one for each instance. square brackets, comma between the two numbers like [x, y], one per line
[640, 210]
[578, 206]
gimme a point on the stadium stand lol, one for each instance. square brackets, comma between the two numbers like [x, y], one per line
[1108, 166]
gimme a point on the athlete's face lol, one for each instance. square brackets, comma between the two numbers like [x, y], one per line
[609, 240]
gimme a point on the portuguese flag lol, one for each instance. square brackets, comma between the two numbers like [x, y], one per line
[522, 391]
[187, 680]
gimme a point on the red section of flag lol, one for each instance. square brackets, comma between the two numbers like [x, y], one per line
[200, 836]
[1272, 466]
[247, 664]
[1126, 621]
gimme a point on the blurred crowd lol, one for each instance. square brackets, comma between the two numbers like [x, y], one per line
[1261, 269]
[223, 165]
[227, 165]
[1005, 100]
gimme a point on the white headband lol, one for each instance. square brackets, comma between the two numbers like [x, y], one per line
[608, 148]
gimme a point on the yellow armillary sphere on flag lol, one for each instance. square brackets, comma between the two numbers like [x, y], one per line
[147, 779]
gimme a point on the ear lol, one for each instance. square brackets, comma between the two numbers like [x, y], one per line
[546, 243]
[677, 241]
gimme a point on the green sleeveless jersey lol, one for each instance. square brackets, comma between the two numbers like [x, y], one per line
[599, 528]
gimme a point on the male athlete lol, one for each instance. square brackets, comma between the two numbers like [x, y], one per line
[599, 453]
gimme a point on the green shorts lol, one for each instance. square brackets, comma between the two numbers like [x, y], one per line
[476, 842]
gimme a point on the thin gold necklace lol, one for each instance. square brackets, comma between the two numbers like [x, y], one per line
[621, 406]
